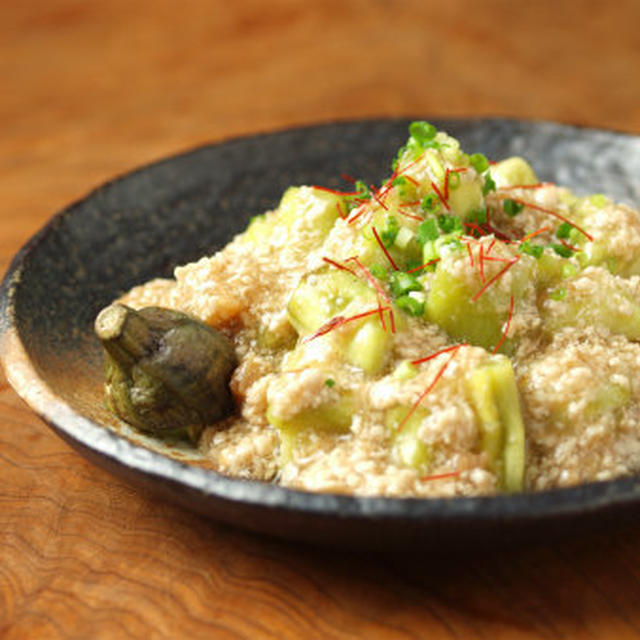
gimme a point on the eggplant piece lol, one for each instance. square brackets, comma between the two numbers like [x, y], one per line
[167, 374]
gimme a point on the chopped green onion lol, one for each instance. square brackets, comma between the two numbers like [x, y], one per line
[561, 250]
[329, 382]
[453, 243]
[563, 231]
[401, 151]
[479, 162]
[558, 294]
[362, 192]
[427, 231]
[478, 216]
[378, 271]
[511, 207]
[402, 283]
[489, 185]
[430, 203]
[449, 224]
[362, 189]
[598, 200]
[410, 305]
[422, 131]
[389, 233]
[454, 180]
[534, 250]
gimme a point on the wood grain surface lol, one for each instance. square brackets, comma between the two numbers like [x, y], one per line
[93, 89]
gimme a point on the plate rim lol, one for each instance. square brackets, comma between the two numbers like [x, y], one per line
[592, 497]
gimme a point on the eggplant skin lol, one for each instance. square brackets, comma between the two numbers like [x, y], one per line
[167, 374]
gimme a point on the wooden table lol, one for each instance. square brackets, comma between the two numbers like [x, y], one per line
[93, 89]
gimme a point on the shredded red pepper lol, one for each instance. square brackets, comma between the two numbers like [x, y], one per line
[348, 178]
[437, 377]
[555, 214]
[335, 191]
[377, 198]
[445, 204]
[359, 212]
[423, 266]
[447, 175]
[339, 266]
[384, 249]
[440, 476]
[455, 347]
[485, 257]
[404, 213]
[470, 252]
[340, 212]
[496, 277]
[381, 292]
[569, 246]
[537, 185]
[338, 321]
[535, 233]
[506, 327]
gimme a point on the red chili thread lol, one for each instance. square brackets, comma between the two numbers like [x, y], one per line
[481, 262]
[376, 197]
[402, 212]
[339, 266]
[344, 268]
[348, 178]
[438, 353]
[496, 277]
[535, 233]
[423, 266]
[440, 476]
[538, 185]
[326, 327]
[495, 258]
[384, 249]
[335, 191]
[421, 397]
[470, 254]
[475, 227]
[489, 229]
[361, 210]
[338, 321]
[388, 185]
[412, 180]
[447, 175]
[506, 327]
[569, 246]
[340, 212]
[555, 214]
[381, 311]
[376, 285]
[440, 196]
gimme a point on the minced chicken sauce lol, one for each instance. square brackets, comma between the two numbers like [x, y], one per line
[461, 329]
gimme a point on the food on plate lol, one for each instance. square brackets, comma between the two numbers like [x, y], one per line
[461, 329]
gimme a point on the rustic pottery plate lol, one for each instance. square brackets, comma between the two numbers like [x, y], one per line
[143, 224]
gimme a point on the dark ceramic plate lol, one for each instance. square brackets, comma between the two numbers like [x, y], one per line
[177, 210]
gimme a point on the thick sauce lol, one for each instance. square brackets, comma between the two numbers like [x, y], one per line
[509, 362]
